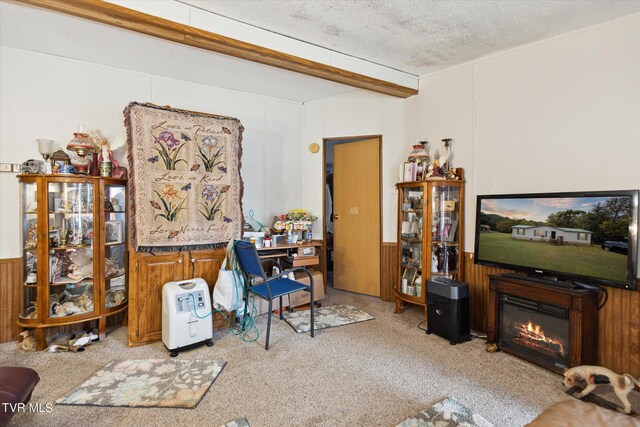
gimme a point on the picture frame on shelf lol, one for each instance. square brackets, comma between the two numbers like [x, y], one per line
[447, 229]
[113, 232]
[409, 274]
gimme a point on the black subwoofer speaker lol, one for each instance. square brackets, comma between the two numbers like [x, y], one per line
[448, 309]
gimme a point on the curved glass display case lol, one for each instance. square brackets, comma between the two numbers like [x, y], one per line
[430, 221]
[74, 251]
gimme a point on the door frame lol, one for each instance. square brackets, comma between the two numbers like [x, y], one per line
[324, 195]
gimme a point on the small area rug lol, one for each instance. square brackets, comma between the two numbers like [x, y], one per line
[240, 422]
[326, 317]
[447, 412]
[157, 383]
[606, 400]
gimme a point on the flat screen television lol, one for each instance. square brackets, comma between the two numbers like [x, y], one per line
[588, 237]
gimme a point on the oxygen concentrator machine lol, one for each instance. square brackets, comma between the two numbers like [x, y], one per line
[186, 307]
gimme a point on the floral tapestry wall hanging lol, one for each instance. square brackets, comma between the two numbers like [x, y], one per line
[186, 188]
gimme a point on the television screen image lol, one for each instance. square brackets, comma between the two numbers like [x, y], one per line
[583, 236]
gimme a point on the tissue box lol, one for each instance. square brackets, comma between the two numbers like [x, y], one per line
[307, 251]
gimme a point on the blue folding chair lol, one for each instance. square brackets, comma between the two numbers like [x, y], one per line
[269, 288]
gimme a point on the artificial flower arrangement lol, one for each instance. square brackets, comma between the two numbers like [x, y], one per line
[301, 215]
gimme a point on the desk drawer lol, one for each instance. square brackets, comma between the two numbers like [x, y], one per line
[303, 261]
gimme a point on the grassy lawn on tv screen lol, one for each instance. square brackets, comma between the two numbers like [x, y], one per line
[578, 259]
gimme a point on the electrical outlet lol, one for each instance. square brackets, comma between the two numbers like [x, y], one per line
[10, 167]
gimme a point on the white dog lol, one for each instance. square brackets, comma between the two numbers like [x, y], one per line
[594, 375]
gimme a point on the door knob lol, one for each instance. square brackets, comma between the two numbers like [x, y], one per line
[336, 217]
[179, 261]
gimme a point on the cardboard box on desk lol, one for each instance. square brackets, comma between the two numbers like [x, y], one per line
[302, 297]
[262, 305]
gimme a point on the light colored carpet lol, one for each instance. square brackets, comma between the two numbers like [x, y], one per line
[375, 373]
[157, 383]
[446, 413]
[327, 316]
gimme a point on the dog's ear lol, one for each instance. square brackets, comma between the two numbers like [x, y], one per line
[564, 371]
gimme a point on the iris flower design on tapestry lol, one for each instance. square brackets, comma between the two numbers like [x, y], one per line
[168, 148]
[212, 199]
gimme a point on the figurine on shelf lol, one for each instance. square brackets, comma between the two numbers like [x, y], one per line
[114, 298]
[453, 174]
[434, 262]
[116, 204]
[32, 236]
[73, 272]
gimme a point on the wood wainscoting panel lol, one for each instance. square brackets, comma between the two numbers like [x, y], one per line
[389, 273]
[477, 276]
[10, 297]
[618, 320]
[619, 332]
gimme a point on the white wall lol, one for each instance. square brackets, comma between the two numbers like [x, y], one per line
[559, 115]
[362, 113]
[45, 96]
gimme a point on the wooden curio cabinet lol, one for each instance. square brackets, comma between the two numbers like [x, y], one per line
[430, 230]
[74, 250]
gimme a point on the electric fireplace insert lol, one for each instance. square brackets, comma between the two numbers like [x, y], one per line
[552, 326]
[536, 329]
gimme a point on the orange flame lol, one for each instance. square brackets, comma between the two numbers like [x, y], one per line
[537, 330]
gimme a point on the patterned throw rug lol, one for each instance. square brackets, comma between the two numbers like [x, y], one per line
[158, 383]
[240, 422]
[604, 401]
[448, 412]
[326, 317]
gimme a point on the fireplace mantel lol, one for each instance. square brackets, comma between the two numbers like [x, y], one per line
[583, 315]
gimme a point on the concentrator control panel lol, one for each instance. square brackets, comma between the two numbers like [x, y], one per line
[185, 301]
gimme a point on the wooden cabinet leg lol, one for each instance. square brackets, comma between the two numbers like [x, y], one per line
[399, 309]
[102, 327]
[125, 319]
[41, 340]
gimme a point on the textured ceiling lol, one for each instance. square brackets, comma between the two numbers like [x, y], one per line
[40, 30]
[418, 37]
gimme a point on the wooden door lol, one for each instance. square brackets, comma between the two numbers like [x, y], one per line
[356, 208]
[145, 293]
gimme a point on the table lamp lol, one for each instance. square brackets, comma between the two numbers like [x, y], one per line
[45, 147]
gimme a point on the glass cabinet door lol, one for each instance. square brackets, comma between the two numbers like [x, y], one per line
[411, 241]
[29, 249]
[115, 243]
[445, 250]
[70, 243]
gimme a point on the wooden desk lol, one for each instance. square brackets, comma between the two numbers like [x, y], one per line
[282, 251]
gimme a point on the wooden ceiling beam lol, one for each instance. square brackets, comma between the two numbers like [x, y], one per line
[112, 14]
